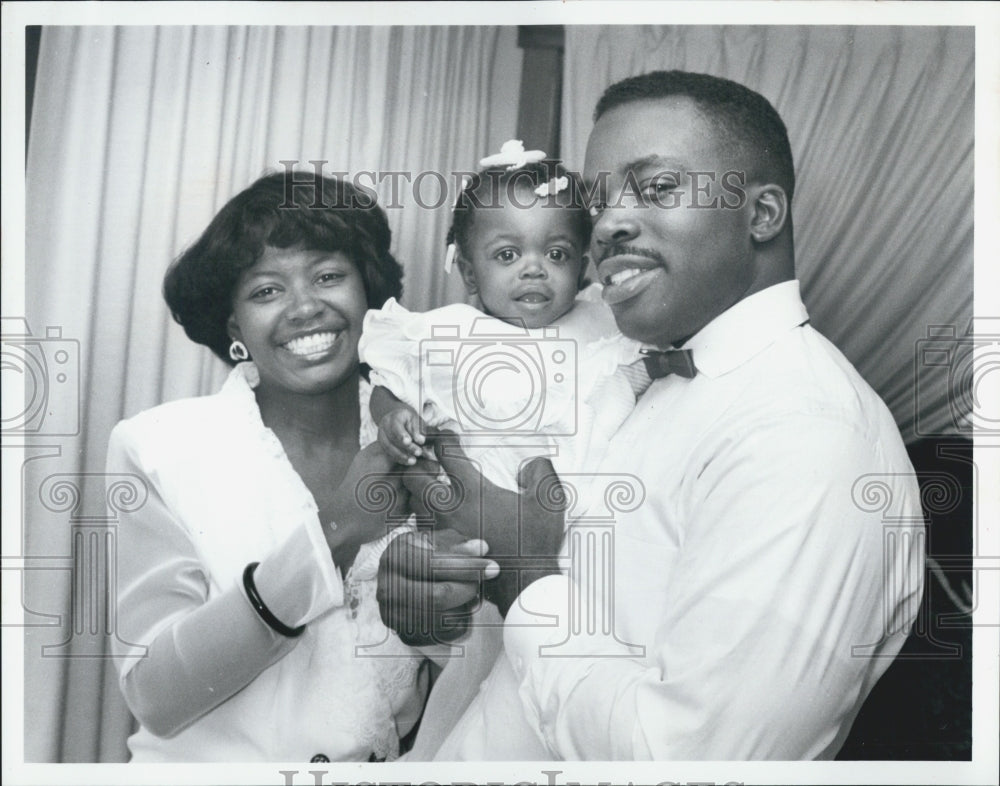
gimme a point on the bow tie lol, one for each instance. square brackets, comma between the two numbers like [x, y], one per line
[672, 361]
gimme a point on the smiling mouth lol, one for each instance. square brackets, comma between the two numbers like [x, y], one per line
[626, 276]
[313, 344]
[622, 276]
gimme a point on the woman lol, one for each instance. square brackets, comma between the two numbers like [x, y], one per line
[248, 625]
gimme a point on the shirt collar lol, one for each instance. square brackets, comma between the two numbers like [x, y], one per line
[747, 328]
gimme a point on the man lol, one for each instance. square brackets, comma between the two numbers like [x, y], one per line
[759, 589]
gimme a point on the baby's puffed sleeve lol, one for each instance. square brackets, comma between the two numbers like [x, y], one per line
[414, 355]
[390, 345]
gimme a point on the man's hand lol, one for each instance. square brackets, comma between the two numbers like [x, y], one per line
[524, 530]
[425, 592]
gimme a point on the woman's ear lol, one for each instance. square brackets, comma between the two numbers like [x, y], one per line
[233, 328]
[468, 275]
[770, 213]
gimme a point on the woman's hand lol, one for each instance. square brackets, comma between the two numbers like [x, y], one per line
[370, 501]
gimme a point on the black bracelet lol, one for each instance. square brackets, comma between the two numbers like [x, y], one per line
[263, 611]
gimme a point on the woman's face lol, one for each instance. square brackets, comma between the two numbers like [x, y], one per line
[300, 312]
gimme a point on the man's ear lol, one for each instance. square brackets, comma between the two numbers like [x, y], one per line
[770, 213]
[468, 274]
[233, 329]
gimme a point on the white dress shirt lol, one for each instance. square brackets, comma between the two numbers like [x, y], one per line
[222, 493]
[766, 567]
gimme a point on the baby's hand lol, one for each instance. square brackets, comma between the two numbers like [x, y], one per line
[400, 432]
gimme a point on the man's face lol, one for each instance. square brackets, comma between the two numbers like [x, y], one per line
[671, 239]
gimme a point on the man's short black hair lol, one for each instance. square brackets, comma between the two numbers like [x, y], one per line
[740, 113]
[328, 214]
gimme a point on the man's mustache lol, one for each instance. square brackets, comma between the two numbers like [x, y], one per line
[623, 249]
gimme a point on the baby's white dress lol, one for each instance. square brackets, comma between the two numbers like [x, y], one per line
[511, 394]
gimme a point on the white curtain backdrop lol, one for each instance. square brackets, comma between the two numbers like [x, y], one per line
[138, 136]
[881, 126]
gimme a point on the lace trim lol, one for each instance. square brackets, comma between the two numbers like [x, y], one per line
[392, 667]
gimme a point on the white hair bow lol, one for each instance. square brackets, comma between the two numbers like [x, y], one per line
[552, 187]
[512, 155]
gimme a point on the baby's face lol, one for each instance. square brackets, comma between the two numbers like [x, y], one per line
[525, 263]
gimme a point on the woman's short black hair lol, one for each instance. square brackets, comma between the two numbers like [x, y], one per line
[315, 214]
[484, 190]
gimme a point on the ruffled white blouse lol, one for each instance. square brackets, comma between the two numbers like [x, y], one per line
[196, 665]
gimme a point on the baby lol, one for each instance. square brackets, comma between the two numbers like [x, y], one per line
[535, 372]
[539, 369]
